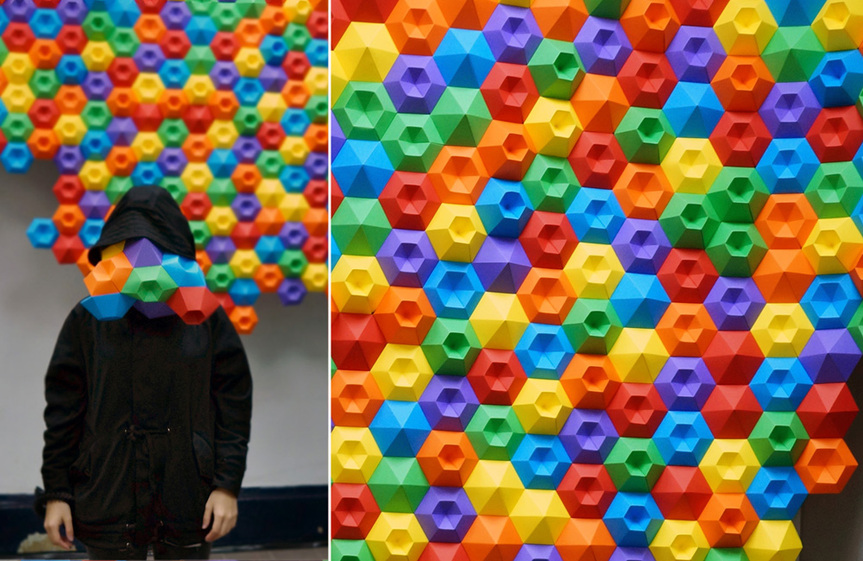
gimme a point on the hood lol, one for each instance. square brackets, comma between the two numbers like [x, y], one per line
[147, 212]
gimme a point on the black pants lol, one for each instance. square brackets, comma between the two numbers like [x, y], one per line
[161, 550]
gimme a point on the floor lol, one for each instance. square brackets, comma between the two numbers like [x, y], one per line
[304, 554]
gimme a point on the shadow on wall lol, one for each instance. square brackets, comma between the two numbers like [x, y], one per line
[832, 525]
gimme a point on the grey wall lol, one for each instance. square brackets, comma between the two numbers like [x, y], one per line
[831, 526]
[287, 353]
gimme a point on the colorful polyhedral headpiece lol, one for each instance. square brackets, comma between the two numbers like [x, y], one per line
[136, 273]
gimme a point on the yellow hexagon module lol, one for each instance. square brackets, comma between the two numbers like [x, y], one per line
[773, 540]
[594, 270]
[366, 52]
[782, 330]
[539, 516]
[456, 232]
[402, 372]
[745, 27]
[680, 540]
[638, 355]
[499, 320]
[396, 536]
[691, 165]
[542, 406]
[839, 25]
[833, 246]
[729, 465]
[494, 487]
[552, 127]
[358, 284]
[354, 454]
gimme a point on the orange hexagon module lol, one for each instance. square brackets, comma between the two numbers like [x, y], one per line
[742, 83]
[600, 103]
[786, 221]
[546, 295]
[686, 329]
[728, 520]
[504, 151]
[826, 465]
[458, 175]
[416, 26]
[492, 537]
[590, 381]
[405, 315]
[585, 540]
[784, 275]
[643, 191]
[650, 25]
[355, 399]
[447, 458]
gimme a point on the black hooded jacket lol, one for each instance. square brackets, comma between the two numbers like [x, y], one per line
[145, 417]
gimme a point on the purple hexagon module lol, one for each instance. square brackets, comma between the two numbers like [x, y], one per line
[246, 206]
[317, 165]
[830, 355]
[247, 149]
[175, 15]
[97, 86]
[684, 383]
[149, 57]
[407, 258]
[273, 78]
[641, 246]
[94, 204]
[734, 303]
[153, 310]
[588, 436]
[224, 75]
[501, 264]
[445, 514]
[220, 249]
[789, 109]
[122, 131]
[293, 235]
[172, 161]
[69, 159]
[695, 54]
[538, 552]
[291, 291]
[632, 554]
[143, 253]
[449, 403]
[20, 10]
[512, 34]
[603, 46]
[414, 84]
[72, 12]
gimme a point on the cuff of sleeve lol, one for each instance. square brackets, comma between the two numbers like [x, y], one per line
[40, 502]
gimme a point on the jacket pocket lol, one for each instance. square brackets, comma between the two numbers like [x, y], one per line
[204, 457]
[80, 470]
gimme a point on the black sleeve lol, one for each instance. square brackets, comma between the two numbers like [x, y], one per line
[231, 394]
[66, 396]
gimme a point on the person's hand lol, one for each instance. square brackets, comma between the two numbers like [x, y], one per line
[58, 514]
[222, 509]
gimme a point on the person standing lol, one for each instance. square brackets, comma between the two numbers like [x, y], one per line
[147, 419]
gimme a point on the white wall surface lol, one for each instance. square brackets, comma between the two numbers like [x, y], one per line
[287, 353]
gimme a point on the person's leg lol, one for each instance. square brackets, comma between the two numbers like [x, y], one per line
[163, 550]
[116, 554]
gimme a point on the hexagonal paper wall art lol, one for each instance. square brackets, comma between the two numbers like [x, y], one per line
[628, 239]
[224, 104]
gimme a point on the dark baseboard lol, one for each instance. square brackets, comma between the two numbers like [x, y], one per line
[270, 517]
